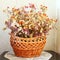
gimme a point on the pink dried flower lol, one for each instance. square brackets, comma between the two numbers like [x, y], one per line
[32, 5]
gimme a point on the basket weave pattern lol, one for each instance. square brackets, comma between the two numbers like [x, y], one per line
[27, 47]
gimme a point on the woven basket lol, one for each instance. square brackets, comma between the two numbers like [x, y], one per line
[27, 47]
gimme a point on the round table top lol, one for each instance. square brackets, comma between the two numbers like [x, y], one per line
[55, 56]
[44, 56]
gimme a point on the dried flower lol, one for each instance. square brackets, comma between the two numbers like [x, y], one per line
[27, 22]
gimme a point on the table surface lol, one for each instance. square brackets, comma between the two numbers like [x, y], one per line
[55, 56]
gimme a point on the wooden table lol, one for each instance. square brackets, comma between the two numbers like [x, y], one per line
[55, 56]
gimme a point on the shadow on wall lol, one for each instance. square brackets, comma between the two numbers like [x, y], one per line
[58, 37]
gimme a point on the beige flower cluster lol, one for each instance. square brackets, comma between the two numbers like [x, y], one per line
[27, 22]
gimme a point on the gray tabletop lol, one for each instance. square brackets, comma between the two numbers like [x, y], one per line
[55, 56]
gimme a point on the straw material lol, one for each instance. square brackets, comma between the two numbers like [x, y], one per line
[27, 47]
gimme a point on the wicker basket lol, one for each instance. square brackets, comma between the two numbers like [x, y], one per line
[27, 47]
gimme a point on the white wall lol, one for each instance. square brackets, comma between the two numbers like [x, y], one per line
[4, 37]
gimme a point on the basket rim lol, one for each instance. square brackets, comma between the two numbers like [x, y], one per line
[13, 35]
